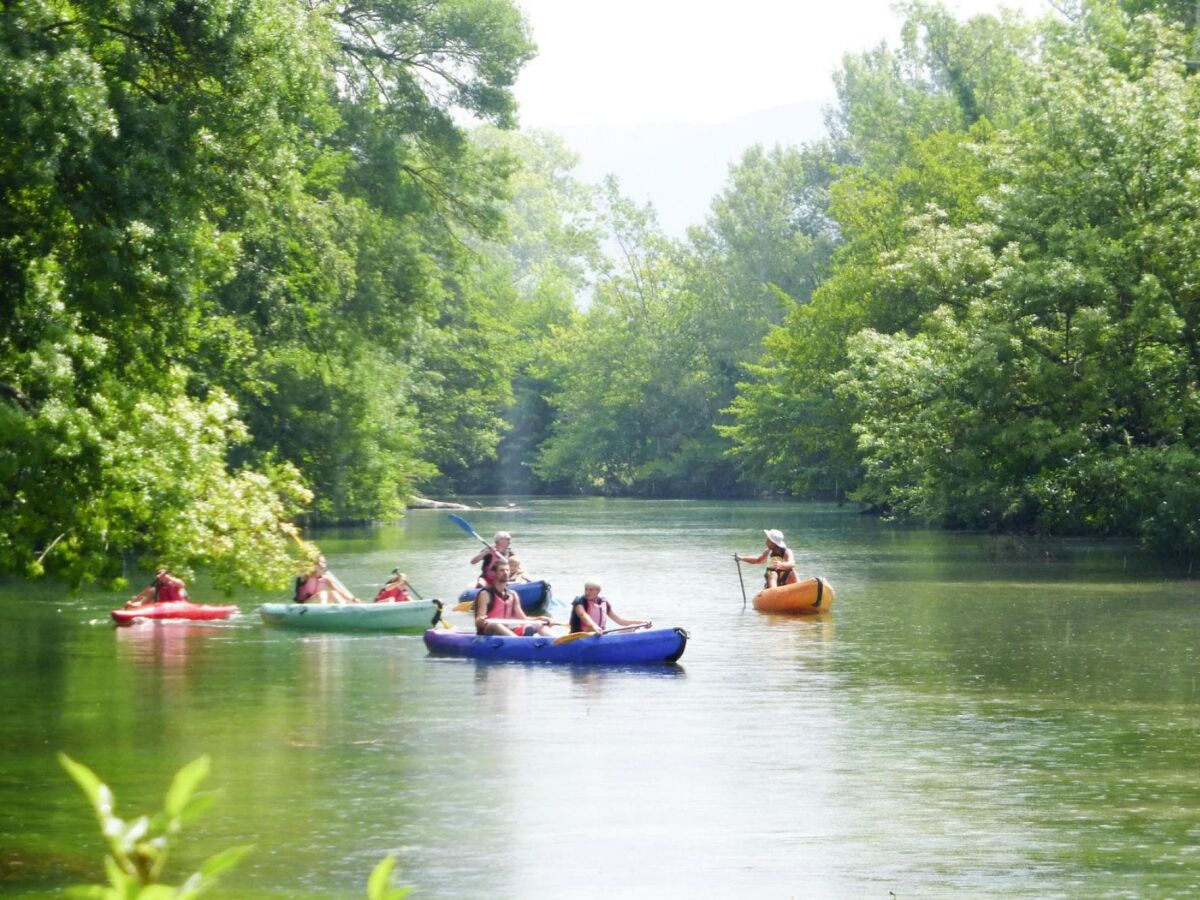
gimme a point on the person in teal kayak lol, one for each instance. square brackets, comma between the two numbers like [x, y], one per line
[395, 590]
[498, 609]
[321, 586]
[781, 564]
[592, 612]
[165, 588]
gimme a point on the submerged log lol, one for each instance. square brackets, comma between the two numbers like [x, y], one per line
[423, 503]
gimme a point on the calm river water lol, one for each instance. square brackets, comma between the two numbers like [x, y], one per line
[978, 716]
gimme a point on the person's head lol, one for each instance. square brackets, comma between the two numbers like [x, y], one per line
[399, 577]
[775, 538]
[500, 571]
[160, 573]
[502, 540]
[319, 564]
[592, 588]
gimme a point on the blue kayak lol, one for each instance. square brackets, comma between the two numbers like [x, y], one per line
[534, 595]
[655, 646]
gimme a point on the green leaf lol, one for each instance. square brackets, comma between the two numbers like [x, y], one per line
[157, 892]
[378, 882]
[184, 785]
[197, 806]
[122, 882]
[86, 779]
[89, 892]
[224, 861]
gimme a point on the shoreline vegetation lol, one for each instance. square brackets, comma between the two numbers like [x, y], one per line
[256, 273]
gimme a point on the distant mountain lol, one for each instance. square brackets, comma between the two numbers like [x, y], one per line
[681, 167]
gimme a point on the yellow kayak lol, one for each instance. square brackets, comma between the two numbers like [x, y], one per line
[807, 597]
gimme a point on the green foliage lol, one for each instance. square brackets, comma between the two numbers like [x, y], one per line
[1007, 338]
[138, 850]
[378, 887]
[232, 276]
[640, 379]
[1054, 388]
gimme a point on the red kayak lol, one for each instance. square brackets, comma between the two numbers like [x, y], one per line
[178, 610]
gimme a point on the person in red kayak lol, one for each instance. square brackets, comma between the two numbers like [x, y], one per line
[395, 590]
[591, 612]
[498, 610]
[165, 588]
[321, 586]
[781, 564]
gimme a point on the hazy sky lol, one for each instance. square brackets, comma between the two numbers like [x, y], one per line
[627, 62]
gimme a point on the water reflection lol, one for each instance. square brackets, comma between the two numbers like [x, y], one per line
[963, 724]
[165, 644]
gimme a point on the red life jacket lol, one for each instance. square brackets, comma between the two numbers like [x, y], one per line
[168, 592]
[501, 607]
[397, 594]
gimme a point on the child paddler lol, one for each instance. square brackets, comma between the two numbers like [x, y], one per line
[591, 612]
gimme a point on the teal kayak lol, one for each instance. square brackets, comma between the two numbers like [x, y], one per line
[411, 615]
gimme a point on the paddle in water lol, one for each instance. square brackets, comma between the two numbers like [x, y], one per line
[737, 559]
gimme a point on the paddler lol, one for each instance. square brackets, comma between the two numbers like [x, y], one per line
[781, 564]
[498, 609]
[499, 549]
[591, 612]
[395, 590]
[321, 586]
[165, 588]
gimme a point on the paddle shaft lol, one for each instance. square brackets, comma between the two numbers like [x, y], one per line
[740, 581]
[576, 635]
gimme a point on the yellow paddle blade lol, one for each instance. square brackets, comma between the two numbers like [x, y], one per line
[465, 606]
[573, 636]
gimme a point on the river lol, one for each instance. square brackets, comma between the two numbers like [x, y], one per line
[977, 716]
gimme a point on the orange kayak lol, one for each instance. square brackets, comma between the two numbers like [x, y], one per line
[807, 597]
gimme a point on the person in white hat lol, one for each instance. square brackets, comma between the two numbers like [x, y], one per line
[781, 564]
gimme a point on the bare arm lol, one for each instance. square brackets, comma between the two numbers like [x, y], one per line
[788, 562]
[585, 620]
[754, 560]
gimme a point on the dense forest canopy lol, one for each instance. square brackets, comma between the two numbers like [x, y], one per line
[256, 272]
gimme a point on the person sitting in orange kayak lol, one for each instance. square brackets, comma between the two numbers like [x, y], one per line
[781, 564]
[591, 612]
[165, 588]
[321, 586]
[395, 590]
[498, 610]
